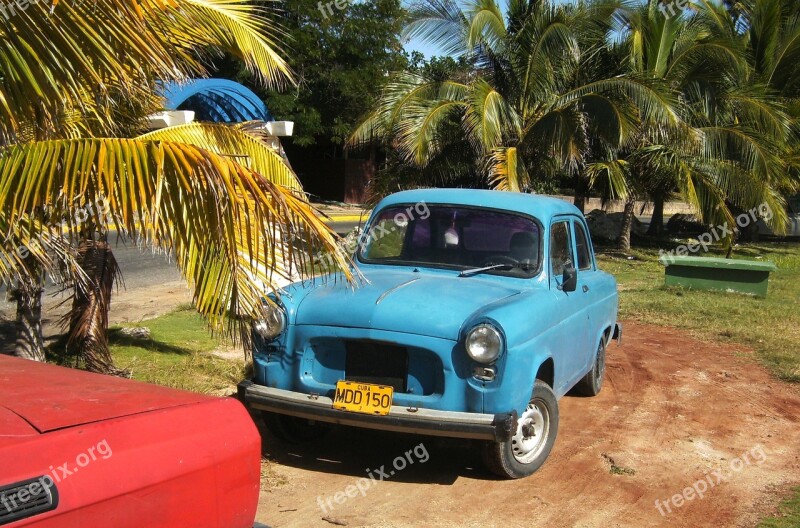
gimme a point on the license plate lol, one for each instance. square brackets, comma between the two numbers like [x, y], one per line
[363, 397]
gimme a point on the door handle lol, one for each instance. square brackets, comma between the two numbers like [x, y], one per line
[585, 288]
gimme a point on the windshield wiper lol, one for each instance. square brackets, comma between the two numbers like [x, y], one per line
[475, 271]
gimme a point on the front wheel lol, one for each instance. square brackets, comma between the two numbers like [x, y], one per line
[530, 446]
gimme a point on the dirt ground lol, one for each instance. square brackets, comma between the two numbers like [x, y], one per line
[674, 411]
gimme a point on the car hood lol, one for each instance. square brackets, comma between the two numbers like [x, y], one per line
[424, 303]
[48, 397]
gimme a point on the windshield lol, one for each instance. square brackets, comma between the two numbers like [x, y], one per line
[454, 237]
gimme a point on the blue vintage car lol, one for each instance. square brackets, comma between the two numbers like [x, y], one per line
[478, 311]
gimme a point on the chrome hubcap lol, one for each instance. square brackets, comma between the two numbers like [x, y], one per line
[532, 430]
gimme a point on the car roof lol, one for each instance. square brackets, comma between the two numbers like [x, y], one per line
[541, 207]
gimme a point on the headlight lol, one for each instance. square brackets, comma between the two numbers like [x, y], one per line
[484, 343]
[272, 325]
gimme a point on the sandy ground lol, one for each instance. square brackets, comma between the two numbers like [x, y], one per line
[672, 413]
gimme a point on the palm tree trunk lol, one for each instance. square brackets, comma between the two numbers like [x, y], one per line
[657, 222]
[624, 240]
[30, 340]
[581, 192]
[87, 339]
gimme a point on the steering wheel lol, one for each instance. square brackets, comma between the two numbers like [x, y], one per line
[500, 259]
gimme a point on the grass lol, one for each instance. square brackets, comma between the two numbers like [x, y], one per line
[788, 513]
[178, 354]
[770, 326]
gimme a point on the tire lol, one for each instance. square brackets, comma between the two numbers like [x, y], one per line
[592, 382]
[522, 455]
[293, 430]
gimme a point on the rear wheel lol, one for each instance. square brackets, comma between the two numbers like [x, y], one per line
[292, 429]
[533, 440]
[592, 382]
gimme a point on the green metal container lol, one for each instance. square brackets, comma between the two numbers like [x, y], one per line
[707, 273]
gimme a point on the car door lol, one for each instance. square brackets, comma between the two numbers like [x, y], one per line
[571, 339]
[589, 287]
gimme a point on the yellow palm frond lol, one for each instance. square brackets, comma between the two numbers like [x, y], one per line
[50, 60]
[506, 170]
[235, 143]
[233, 232]
[234, 26]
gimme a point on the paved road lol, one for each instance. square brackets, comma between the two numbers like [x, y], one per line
[139, 268]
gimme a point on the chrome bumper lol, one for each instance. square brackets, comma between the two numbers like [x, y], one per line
[496, 427]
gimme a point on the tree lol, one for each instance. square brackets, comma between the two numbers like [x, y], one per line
[72, 79]
[772, 35]
[340, 57]
[535, 97]
[725, 152]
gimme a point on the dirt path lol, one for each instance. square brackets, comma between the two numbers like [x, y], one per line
[673, 411]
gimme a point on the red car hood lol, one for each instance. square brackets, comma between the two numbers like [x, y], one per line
[49, 397]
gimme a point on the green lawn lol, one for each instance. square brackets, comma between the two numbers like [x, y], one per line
[788, 514]
[771, 326]
[178, 354]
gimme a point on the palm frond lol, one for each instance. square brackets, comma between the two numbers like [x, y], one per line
[232, 142]
[506, 170]
[488, 116]
[233, 232]
[614, 174]
[74, 57]
[235, 26]
[441, 23]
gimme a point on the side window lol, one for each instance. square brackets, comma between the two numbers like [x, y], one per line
[560, 251]
[582, 248]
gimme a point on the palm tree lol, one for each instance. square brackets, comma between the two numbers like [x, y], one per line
[75, 80]
[537, 95]
[725, 152]
[771, 30]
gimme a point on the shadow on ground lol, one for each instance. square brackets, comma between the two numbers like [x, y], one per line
[116, 337]
[357, 452]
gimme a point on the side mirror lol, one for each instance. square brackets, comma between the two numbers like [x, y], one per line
[569, 282]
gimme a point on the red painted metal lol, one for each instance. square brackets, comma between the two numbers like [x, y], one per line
[126, 454]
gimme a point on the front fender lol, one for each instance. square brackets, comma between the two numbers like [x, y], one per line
[528, 323]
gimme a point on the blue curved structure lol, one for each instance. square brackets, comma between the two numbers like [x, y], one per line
[216, 100]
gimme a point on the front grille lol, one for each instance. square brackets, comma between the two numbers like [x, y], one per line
[26, 499]
[375, 362]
